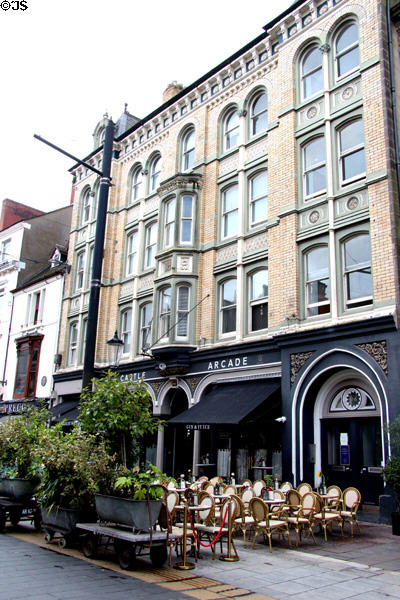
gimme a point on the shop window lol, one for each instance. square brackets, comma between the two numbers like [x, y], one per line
[182, 311]
[231, 130]
[347, 53]
[154, 171]
[146, 317]
[258, 302]
[228, 306]
[187, 152]
[131, 253]
[258, 198]
[311, 72]
[150, 245]
[259, 114]
[317, 282]
[357, 271]
[314, 167]
[351, 151]
[136, 184]
[126, 329]
[28, 352]
[230, 209]
[165, 312]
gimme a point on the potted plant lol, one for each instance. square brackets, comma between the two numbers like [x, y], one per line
[19, 465]
[135, 497]
[73, 467]
[269, 486]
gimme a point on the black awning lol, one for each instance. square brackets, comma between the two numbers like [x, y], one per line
[228, 403]
[68, 411]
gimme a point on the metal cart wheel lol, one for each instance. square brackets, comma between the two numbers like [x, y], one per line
[126, 555]
[158, 555]
[48, 537]
[89, 546]
[37, 520]
[62, 542]
[2, 519]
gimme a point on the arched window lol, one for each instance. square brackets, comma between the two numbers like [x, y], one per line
[317, 282]
[137, 184]
[227, 306]
[311, 72]
[188, 141]
[155, 170]
[357, 271]
[229, 221]
[86, 204]
[258, 300]
[169, 223]
[347, 53]
[165, 312]
[351, 151]
[231, 130]
[182, 311]
[126, 328]
[146, 317]
[131, 253]
[259, 114]
[258, 198]
[314, 168]
[150, 245]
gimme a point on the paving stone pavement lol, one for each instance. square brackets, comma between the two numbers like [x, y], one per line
[366, 566]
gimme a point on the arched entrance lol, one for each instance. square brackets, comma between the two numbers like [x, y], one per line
[178, 441]
[341, 413]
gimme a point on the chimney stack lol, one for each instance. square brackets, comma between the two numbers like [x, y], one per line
[172, 90]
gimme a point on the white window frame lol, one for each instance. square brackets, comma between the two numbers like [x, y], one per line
[185, 219]
[254, 116]
[228, 131]
[169, 222]
[346, 50]
[150, 245]
[126, 330]
[364, 300]
[254, 199]
[154, 174]
[145, 326]
[313, 167]
[164, 318]
[73, 335]
[256, 301]
[187, 161]
[86, 206]
[182, 312]
[5, 251]
[352, 150]
[132, 241]
[80, 270]
[310, 306]
[313, 71]
[136, 184]
[223, 309]
[226, 214]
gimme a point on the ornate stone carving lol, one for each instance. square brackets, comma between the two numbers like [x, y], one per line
[296, 362]
[165, 265]
[348, 93]
[229, 164]
[184, 264]
[352, 203]
[156, 385]
[193, 382]
[257, 150]
[226, 253]
[312, 112]
[257, 242]
[147, 282]
[179, 181]
[378, 351]
[314, 217]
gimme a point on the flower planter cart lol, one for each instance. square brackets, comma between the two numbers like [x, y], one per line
[17, 504]
[128, 526]
[61, 523]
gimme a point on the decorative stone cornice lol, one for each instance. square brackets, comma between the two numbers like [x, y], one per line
[180, 181]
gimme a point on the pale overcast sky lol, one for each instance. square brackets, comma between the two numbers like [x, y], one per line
[65, 63]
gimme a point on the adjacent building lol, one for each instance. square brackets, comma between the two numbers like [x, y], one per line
[251, 262]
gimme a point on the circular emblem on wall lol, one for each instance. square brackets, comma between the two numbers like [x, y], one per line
[311, 113]
[314, 216]
[43, 381]
[352, 203]
[351, 398]
[348, 93]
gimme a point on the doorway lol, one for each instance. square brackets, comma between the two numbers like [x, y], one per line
[178, 440]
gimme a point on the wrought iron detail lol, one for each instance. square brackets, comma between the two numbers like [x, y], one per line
[378, 351]
[193, 382]
[296, 363]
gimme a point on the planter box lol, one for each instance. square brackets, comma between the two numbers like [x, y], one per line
[61, 519]
[123, 511]
[18, 490]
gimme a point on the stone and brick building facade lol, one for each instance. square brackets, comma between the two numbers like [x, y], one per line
[251, 256]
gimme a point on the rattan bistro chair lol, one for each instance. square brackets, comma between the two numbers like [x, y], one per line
[351, 500]
[265, 524]
[243, 520]
[325, 517]
[303, 518]
[258, 487]
[334, 494]
[304, 488]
